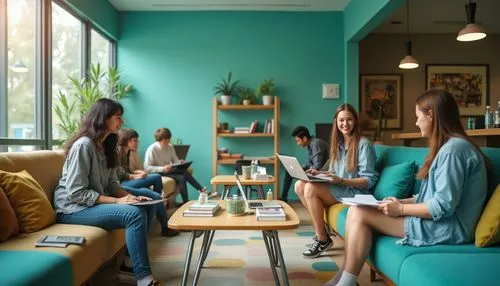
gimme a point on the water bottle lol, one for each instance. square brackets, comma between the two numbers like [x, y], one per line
[497, 116]
[488, 118]
[269, 195]
[203, 198]
[254, 168]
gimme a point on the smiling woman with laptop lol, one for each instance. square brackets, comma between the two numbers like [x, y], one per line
[351, 172]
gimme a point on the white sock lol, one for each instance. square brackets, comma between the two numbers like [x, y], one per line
[144, 281]
[348, 279]
[336, 278]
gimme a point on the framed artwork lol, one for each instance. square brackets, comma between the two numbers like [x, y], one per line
[381, 97]
[467, 83]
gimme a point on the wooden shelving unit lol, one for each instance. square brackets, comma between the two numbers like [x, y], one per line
[275, 136]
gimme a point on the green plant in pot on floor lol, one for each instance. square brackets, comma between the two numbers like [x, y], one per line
[226, 88]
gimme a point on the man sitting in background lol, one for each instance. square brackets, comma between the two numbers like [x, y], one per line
[317, 152]
[159, 158]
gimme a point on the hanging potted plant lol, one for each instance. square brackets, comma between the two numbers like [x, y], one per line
[267, 89]
[247, 96]
[226, 88]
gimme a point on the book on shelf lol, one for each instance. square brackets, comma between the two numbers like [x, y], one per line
[270, 214]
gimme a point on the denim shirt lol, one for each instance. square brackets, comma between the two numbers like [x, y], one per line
[85, 176]
[366, 163]
[454, 191]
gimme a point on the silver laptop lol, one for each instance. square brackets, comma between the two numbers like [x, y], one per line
[295, 170]
[254, 205]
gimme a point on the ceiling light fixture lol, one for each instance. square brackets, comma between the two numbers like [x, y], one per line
[408, 62]
[19, 67]
[472, 31]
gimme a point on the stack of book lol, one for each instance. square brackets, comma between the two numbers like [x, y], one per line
[241, 130]
[270, 214]
[208, 209]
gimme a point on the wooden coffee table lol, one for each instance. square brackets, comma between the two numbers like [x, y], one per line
[206, 227]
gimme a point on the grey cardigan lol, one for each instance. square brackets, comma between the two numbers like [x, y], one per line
[84, 177]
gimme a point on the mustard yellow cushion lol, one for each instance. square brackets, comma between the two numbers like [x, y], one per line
[488, 227]
[33, 209]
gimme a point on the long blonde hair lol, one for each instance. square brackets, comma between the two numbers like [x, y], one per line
[337, 137]
[445, 124]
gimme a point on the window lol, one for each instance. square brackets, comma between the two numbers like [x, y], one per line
[67, 35]
[100, 50]
[21, 72]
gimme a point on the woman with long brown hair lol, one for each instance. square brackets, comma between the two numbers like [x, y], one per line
[450, 200]
[351, 171]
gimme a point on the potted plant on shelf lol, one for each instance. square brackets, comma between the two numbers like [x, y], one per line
[247, 96]
[226, 88]
[267, 89]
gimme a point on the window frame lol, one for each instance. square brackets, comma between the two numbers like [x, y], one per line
[43, 71]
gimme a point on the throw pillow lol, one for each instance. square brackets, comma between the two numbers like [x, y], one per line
[488, 227]
[8, 221]
[395, 181]
[33, 209]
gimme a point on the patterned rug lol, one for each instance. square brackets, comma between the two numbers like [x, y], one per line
[239, 258]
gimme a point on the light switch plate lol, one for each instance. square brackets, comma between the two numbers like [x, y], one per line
[331, 91]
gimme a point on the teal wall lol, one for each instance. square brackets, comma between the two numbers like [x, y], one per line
[174, 59]
[101, 13]
[360, 18]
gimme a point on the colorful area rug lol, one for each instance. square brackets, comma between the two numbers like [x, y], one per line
[239, 258]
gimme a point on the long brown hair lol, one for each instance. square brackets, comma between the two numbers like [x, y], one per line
[337, 137]
[94, 126]
[445, 124]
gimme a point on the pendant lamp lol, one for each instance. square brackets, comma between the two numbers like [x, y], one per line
[408, 62]
[472, 31]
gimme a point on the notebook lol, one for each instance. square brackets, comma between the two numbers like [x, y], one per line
[147, 203]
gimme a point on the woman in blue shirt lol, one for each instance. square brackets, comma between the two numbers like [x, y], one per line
[89, 192]
[351, 171]
[451, 196]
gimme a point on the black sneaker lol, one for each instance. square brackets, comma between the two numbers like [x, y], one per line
[318, 247]
[168, 232]
[125, 270]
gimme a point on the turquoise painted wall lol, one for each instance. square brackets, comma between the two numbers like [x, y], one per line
[101, 13]
[174, 59]
[360, 18]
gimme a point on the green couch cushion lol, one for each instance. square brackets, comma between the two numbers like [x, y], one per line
[388, 257]
[35, 268]
[457, 269]
[396, 181]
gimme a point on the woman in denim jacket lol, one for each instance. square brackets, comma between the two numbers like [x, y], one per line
[450, 200]
[351, 172]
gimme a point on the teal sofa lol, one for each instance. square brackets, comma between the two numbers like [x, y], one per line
[458, 265]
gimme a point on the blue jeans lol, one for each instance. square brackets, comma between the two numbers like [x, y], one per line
[136, 221]
[151, 180]
[161, 213]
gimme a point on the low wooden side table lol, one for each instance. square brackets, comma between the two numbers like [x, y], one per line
[207, 226]
[228, 181]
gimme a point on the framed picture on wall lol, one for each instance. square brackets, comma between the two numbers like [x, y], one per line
[381, 100]
[467, 83]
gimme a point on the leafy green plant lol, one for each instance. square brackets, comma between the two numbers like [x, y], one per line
[266, 87]
[72, 106]
[226, 87]
[247, 94]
